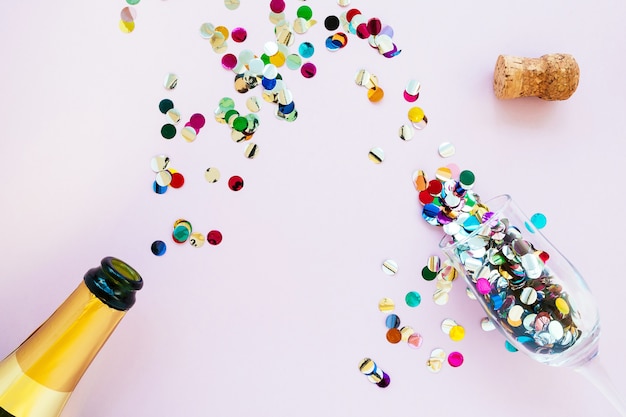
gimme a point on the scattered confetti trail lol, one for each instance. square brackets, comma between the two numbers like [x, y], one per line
[262, 77]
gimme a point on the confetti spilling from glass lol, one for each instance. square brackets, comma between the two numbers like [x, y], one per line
[374, 374]
[508, 273]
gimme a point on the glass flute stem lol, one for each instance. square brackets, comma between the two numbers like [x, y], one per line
[595, 373]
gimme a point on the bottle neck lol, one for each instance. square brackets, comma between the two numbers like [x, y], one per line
[38, 378]
[72, 336]
[114, 282]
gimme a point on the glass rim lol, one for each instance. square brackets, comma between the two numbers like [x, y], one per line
[446, 243]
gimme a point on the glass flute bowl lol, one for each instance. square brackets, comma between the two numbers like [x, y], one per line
[532, 292]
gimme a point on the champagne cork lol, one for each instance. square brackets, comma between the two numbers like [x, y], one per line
[550, 77]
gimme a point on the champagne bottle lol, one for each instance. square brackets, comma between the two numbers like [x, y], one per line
[37, 379]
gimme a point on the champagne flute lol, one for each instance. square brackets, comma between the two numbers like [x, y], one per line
[531, 292]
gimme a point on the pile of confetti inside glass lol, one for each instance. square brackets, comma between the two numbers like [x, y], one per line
[533, 294]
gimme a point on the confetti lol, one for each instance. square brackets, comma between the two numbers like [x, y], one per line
[406, 132]
[158, 248]
[308, 70]
[386, 305]
[182, 231]
[235, 183]
[435, 362]
[538, 220]
[232, 4]
[212, 174]
[457, 333]
[508, 274]
[487, 325]
[214, 237]
[446, 149]
[413, 299]
[306, 50]
[415, 340]
[331, 22]
[127, 17]
[416, 114]
[196, 240]
[455, 359]
[171, 81]
[239, 34]
[412, 91]
[390, 267]
[392, 321]
[447, 325]
[376, 155]
[374, 374]
[393, 335]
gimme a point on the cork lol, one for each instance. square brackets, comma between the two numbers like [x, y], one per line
[549, 77]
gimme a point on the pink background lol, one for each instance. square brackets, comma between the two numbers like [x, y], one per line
[274, 321]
